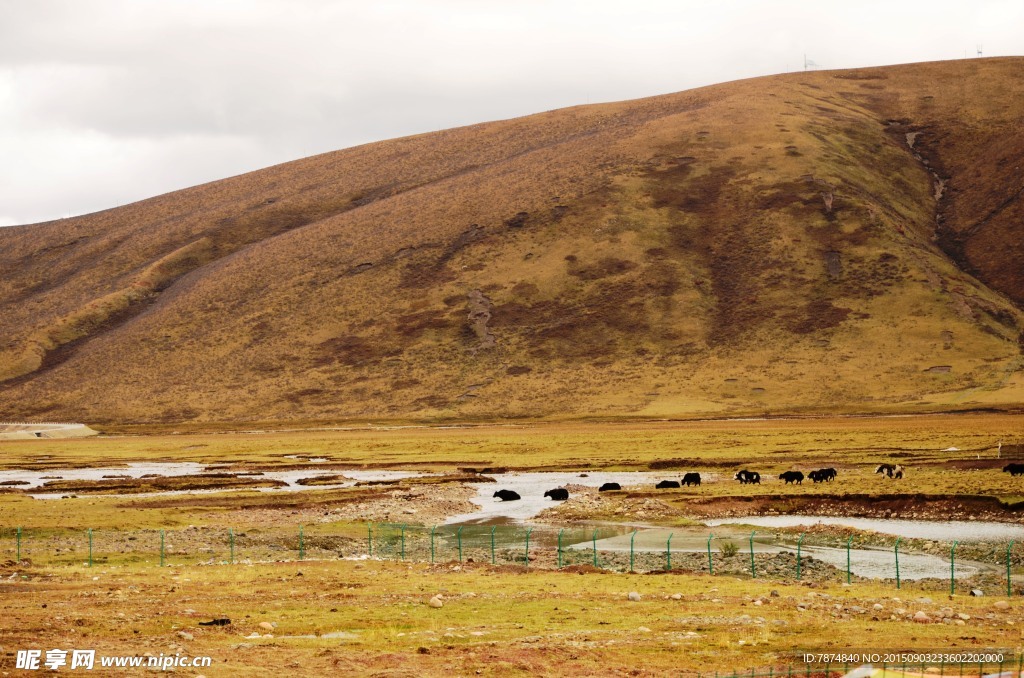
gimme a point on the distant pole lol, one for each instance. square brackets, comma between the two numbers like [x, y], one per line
[1009, 590]
[668, 552]
[528, 533]
[560, 548]
[753, 570]
[848, 542]
[458, 538]
[896, 550]
[594, 542]
[493, 528]
[952, 568]
[432, 544]
[231, 538]
[302, 545]
[631, 539]
[711, 562]
[799, 545]
[161, 548]
[19, 548]
[90, 547]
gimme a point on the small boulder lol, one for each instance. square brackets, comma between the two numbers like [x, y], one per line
[634, 596]
[677, 596]
[436, 602]
[877, 606]
[266, 626]
[921, 618]
[1001, 605]
[963, 616]
[186, 635]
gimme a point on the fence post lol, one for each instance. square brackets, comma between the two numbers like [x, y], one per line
[19, 553]
[799, 545]
[231, 537]
[1009, 589]
[432, 544]
[302, 545]
[90, 547]
[952, 567]
[161, 548]
[560, 548]
[668, 552]
[528, 532]
[753, 570]
[493, 528]
[458, 538]
[404, 525]
[711, 561]
[631, 550]
[848, 542]
[896, 550]
[593, 540]
[369, 539]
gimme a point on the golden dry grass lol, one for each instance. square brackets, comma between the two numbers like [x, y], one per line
[768, 245]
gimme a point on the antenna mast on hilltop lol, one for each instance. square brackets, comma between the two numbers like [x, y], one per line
[808, 64]
[979, 50]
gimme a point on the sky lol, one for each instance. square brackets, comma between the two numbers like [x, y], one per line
[105, 102]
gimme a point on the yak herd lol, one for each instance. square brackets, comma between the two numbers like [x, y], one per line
[823, 475]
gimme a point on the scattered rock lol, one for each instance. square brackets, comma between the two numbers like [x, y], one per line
[266, 626]
[963, 616]
[634, 596]
[774, 594]
[877, 606]
[758, 603]
[1001, 605]
[977, 592]
[921, 618]
[436, 602]
[643, 629]
[186, 635]
[677, 596]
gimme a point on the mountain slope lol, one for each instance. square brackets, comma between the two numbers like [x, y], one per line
[831, 240]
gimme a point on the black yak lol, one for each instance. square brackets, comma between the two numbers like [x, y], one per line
[558, 494]
[667, 484]
[507, 495]
[745, 476]
[792, 477]
[609, 486]
[691, 479]
[1014, 469]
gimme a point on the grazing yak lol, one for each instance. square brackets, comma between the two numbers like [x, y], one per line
[507, 495]
[1014, 469]
[558, 494]
[745, 476]
[609, 486]
[667, 484]
[890, 470]
[792, 477]
[822, 475]
[691, 479]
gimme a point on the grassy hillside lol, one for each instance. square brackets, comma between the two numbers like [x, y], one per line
[829, 241]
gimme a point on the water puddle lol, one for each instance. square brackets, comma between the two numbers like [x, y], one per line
[864, 562]
[33, 479]
[532, 486]
[935, 530]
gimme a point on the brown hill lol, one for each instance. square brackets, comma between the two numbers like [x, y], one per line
[846, 240]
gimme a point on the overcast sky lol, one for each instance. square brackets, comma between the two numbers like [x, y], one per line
[104, 102]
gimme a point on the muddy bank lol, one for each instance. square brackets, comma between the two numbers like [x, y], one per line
[127, 485]
[908, 506]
